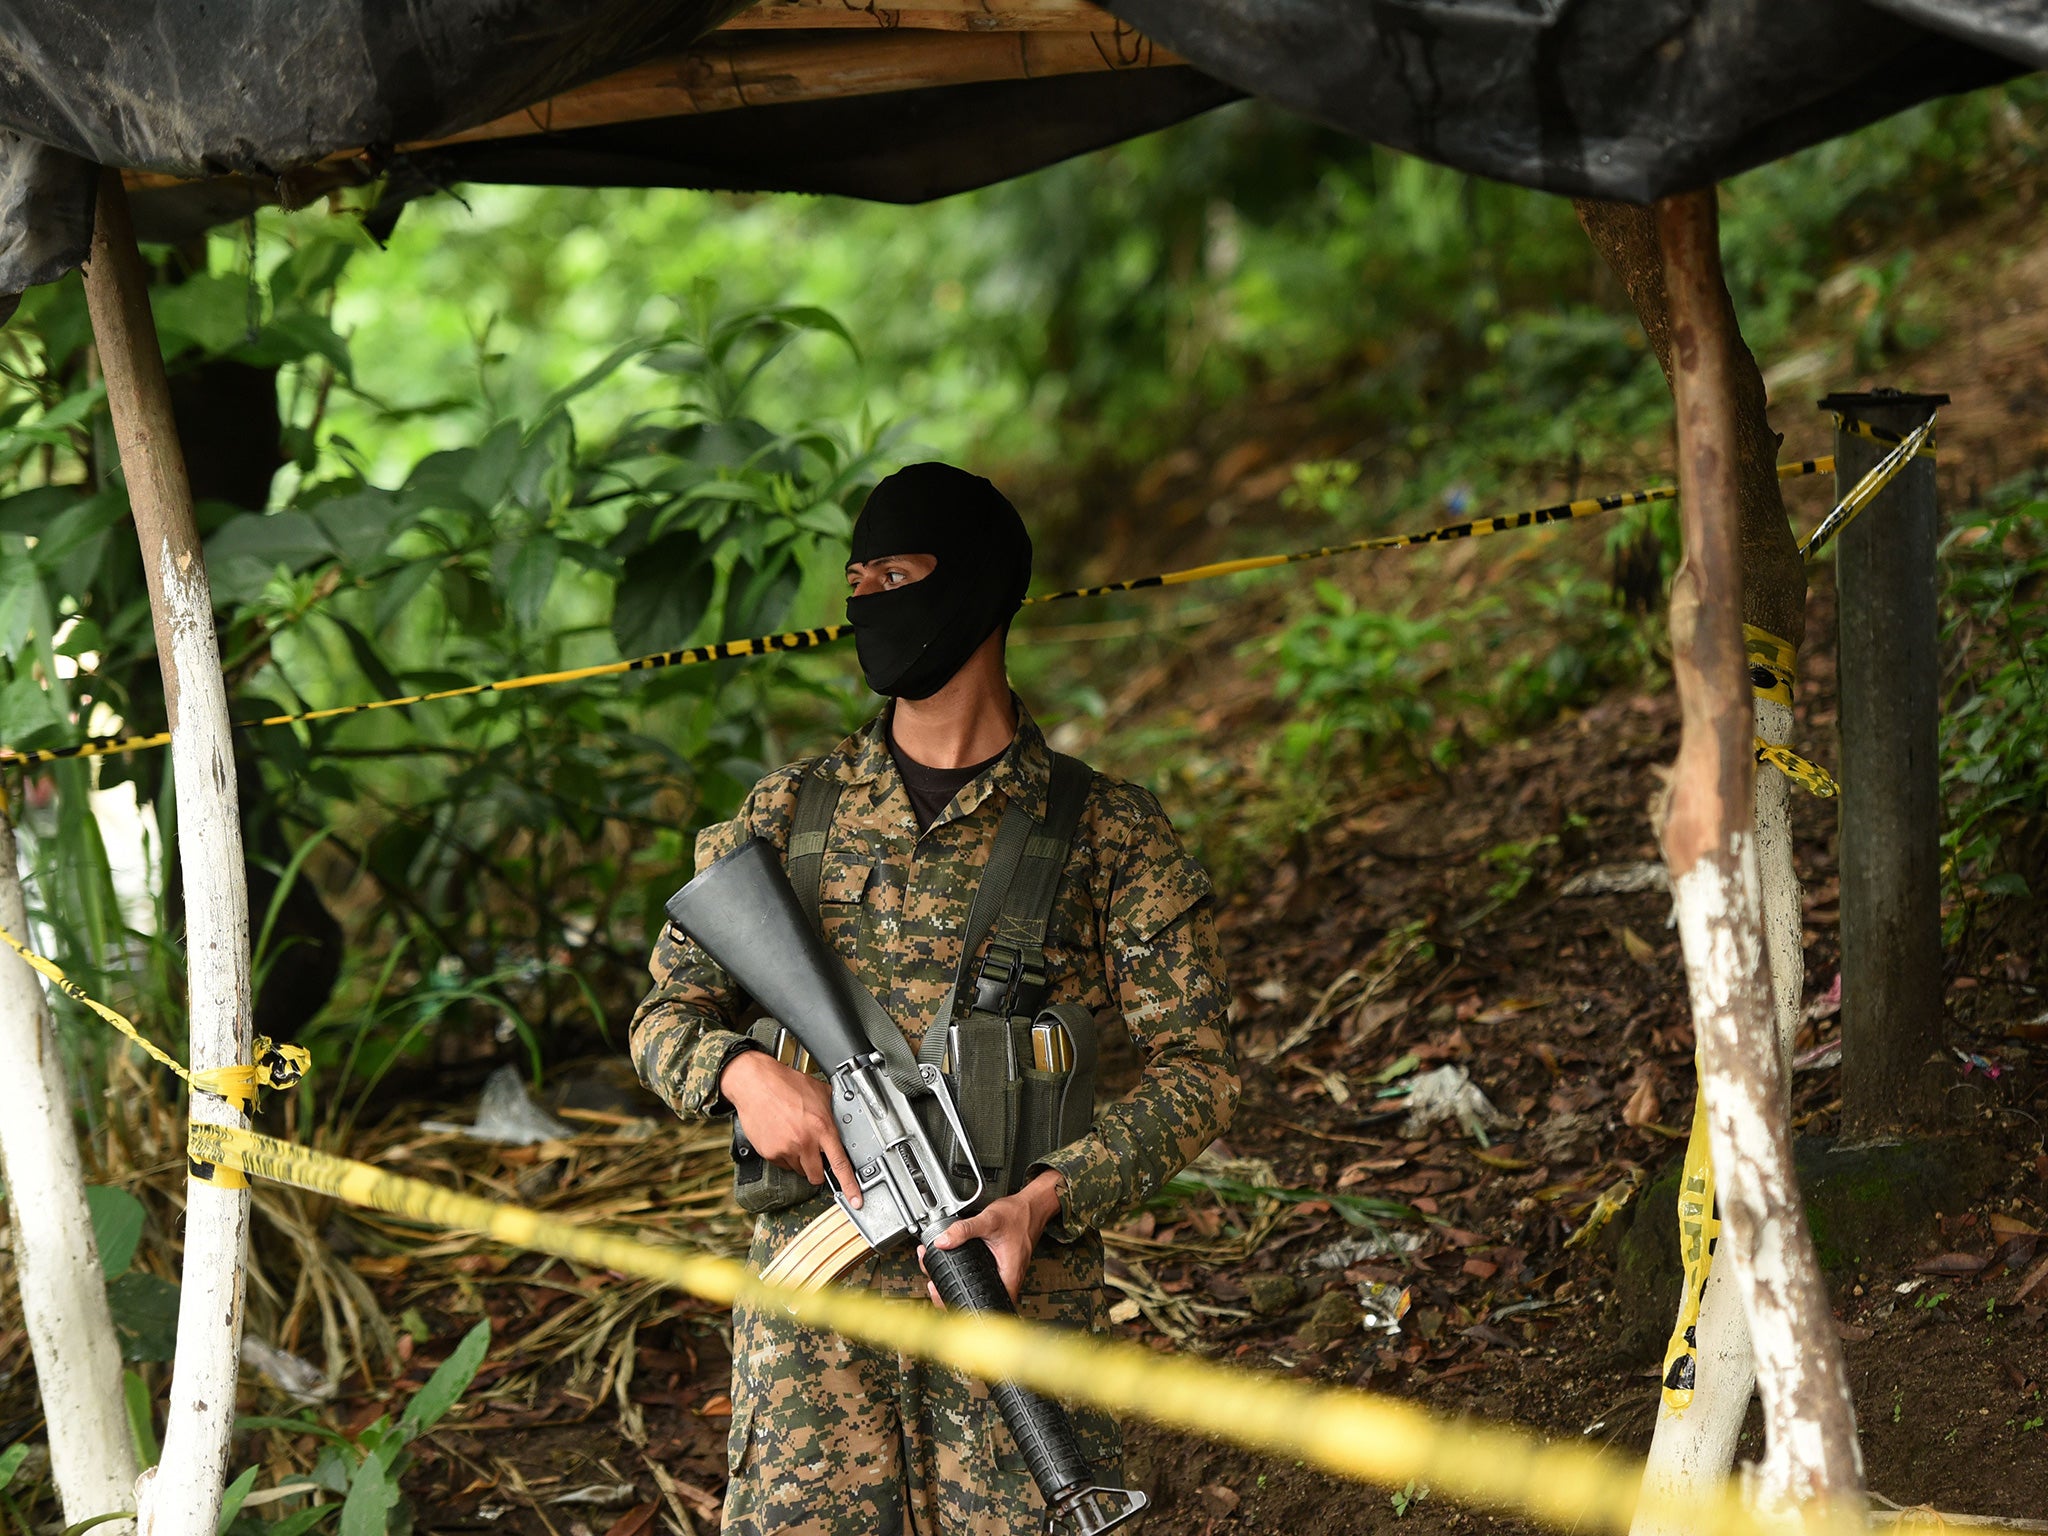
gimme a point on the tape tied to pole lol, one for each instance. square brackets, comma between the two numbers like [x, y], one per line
[274, 1065]
[1875, 479]
[812, 639]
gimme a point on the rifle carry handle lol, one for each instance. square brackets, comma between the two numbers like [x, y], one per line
[1075, 1504]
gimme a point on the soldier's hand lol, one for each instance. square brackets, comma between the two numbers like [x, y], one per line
[1011, 1227]
[786, 1116]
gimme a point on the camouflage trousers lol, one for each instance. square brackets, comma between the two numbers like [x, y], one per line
[834, 1438]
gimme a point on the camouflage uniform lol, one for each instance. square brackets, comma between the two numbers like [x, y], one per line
[833, 1438]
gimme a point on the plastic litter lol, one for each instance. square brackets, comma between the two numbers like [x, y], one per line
[506, 1115]
[1384, 1305]
[599, 1495]
[1366, 1246]
[1619, 880]
[1448, 1093]
[300, 1380]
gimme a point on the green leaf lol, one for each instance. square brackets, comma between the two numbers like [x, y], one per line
[10, 1462]
[298, 1521]
[365, 654]
[145, 1310]
[25, 711]
[231, 1500]
[80, 1527]
[117, 1219]
[441, 480]
[363, 524]
[21, 599]
[525, 569]
[294, 337]
[757, 600]
[371, 1498]
[490, 472]
[209, 310]
[450, 1380]
[664, 594]
[141, 1418]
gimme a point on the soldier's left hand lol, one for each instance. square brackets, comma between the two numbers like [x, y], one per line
[1011, 1227]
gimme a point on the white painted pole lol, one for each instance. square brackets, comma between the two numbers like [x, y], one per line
[1693, 1447]
[1710, 843]
[181, 1496]
[56, 1261]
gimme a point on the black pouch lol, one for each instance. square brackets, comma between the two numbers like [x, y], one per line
[981, 1070]
[1058, 1057]
[759, 1186]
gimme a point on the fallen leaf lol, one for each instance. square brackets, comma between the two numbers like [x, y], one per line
[1644, 1105]
[633, 1521]
[1639, 948]
[1123, 1311]
[1951, 1264]
[1221, 1500]
[719, 1407]
[2006, 1228]
[1851, 1333]
[2034, 1278]
[1503, 1161]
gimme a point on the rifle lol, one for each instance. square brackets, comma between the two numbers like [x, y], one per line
[744, 914]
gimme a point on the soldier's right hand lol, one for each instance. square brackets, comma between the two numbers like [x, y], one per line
[786, 1116]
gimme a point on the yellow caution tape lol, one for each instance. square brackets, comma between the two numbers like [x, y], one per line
[1568, 1485]
[275, 1066]
[1770, 677]
[1770, 664]
[1879, 475]
[1856, 428]
[1807, 774]
[1699, 1231]
[811, 639]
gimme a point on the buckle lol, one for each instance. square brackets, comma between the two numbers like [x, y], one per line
[1005, 978]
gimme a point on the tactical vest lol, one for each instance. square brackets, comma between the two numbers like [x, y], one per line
[1022, 1074]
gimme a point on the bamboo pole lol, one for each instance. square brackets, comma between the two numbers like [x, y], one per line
[924, 15]
[181, 1496]
[1710, 846]
[776, 70]
[56, 1259]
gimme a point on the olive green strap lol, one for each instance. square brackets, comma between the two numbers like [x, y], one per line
[1012, 979]
[817, 801]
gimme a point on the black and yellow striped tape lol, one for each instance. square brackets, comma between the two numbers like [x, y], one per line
[1864, 491]
[811, 639]
[1857, 428]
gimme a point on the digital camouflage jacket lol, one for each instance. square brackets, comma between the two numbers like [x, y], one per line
[1132, 935]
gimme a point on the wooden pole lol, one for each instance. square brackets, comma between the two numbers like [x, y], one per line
[1889, 639]
[181, 1496]
[56, 1259]
[1710, 845]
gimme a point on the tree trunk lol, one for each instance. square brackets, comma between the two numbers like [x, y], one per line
[56, 1260]
[1711, 848]
[181, 1497]
[1694, 1447]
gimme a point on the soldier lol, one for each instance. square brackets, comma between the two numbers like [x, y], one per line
[833, 1438]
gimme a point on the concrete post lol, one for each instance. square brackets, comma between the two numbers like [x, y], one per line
[1890, 850]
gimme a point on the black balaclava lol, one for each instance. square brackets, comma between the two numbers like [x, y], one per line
[913, 639]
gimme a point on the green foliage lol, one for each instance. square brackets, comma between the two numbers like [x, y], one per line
[144, 1306]
[1994, 715]
[1359, 677]
[364, 1469]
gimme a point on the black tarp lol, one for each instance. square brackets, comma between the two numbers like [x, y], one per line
[1625, 99]
[1616, 98]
